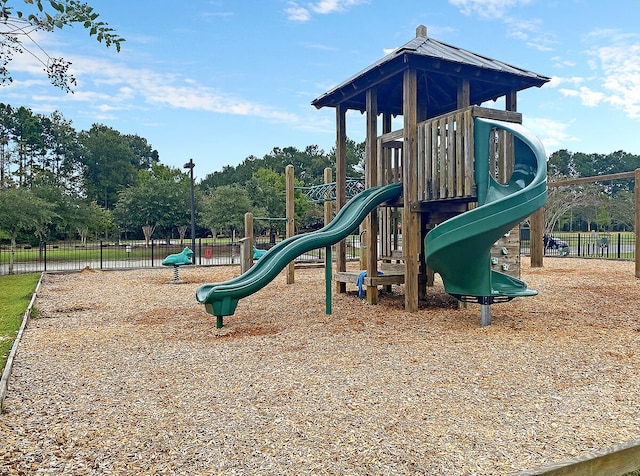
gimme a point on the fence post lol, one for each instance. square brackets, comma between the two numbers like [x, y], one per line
[619, 242]
[578, 244]
[152, 252]
[45, 255]
[100, 254]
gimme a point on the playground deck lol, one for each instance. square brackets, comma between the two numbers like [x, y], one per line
[391, 274]
[137, 379]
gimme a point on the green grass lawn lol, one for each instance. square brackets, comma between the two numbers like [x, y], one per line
[15, 295]
[69, 252]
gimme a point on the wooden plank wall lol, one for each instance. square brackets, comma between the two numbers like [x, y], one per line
[445, 151]
[445, 169]
[445, 145]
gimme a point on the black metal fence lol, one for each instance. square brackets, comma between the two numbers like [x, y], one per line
[612, 245]
[70, 256]
[105, 255]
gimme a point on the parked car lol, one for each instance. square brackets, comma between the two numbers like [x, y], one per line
[553, 243]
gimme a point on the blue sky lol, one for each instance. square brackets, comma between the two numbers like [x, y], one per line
[220, 80]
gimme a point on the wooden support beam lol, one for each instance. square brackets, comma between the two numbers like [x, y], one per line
[596, 178]
[248, 233]
[464, 93]
[411, 226]
[371, 170]
[536, 241]
[290, 217]
[328, 204]
[341, 187]
[616, 460]
[384, 166]
[511, 101]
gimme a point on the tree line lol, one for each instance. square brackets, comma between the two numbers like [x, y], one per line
[598, 206]
[59, 183]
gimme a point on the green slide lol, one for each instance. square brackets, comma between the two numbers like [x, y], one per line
[221, 299]
[460, 248]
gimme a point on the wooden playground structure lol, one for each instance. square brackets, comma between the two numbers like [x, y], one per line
[437, 89]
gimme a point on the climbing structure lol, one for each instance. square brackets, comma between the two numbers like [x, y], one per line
[437, 89]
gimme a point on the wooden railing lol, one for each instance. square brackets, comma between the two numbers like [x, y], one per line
[446, 154]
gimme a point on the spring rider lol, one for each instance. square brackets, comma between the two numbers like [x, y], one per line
[177, 260]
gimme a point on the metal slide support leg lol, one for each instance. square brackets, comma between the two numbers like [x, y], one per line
[485, 315]
[327, 277]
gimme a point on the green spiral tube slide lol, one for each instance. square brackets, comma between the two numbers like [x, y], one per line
[459, 249]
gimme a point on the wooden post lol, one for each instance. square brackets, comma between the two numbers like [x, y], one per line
[341, 187]
[411, 227]
[362, 229]
[248, 230]
[536, 241]
[246, 254]
[507, 155]
[328, 204]
[371, 169]
[636, 226]
[290, 217]
[511, 101]
[385, 220]
[422, 111]
[464, 93]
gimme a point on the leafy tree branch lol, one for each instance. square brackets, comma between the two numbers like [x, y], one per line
[19, 25]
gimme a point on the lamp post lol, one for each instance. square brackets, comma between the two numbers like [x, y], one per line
[190, 165]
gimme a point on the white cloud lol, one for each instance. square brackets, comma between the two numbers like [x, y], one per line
[588, 97]
[614, 61]
[491, 9]
[297, 13]
[105, 86]
[556, 81]
[303, 12]
[540, 46]
[205, 99]
[618, 65]
[560, 62]
[318, 46]
[528, 30]
[553, 134]
[330, 6]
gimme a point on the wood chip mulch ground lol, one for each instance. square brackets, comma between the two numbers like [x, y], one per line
[125, 373]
